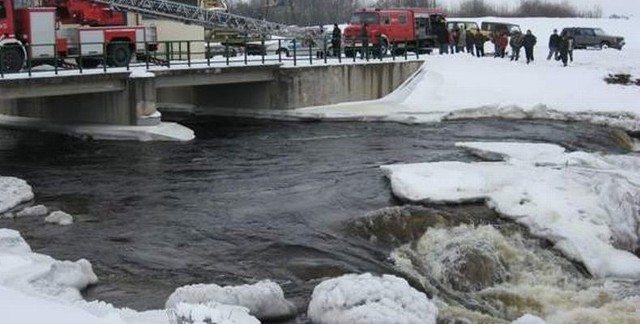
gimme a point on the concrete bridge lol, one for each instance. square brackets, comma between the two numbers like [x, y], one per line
[132, 97]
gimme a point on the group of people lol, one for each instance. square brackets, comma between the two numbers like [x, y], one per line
[561, 47]
[457, 40]
[517, 43]
[460, 40]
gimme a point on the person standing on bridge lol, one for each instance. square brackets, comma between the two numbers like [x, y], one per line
[364, 36]
[336, 40]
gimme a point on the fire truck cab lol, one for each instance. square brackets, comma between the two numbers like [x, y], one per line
[87, 31]
[399, 30]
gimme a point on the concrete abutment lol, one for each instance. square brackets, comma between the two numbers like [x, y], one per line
[129, 98]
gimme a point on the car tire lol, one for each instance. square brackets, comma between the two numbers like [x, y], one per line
[605, 45]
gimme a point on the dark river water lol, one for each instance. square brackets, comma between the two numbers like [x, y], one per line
[247, 200]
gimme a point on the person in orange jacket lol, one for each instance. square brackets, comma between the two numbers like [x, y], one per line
[503, 41]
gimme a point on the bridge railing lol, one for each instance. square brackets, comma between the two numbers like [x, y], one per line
[124, 56]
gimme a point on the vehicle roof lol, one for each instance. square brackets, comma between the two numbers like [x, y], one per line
[499, 22]
[431, 11]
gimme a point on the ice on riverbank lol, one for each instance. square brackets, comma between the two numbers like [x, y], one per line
[586, 204]
[369, 299]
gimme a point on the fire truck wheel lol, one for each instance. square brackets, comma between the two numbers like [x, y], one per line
[12, 59]
[118, 55]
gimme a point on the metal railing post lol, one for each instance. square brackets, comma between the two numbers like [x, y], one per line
[29, 50]
[134, 53]
[104, 57]
[189, 53]
[310, 54]
[279, 51]
[353, 49]
[80, 56]
[246, 59]
[295, 56]
[226, 50]
[55, 58]
[324, 50]
[146, 54]
[2, 62]
[208, 52]
[179, 50]
[167, 47]
[263, 49]
[405, 49]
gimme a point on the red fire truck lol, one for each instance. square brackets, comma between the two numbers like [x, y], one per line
[62, 28]
[399, 30]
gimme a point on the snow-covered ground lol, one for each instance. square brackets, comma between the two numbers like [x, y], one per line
[460, 86]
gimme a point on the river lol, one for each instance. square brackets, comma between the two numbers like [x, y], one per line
[246, 200]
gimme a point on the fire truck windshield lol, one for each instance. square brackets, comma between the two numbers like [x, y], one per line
[369, 18]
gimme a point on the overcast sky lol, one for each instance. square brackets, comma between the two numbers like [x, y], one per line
[625, 7]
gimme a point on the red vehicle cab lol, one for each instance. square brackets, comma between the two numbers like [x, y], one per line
[399, 30]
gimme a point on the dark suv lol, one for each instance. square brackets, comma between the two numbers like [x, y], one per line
[593, 37]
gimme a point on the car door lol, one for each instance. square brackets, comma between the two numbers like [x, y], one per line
[579, 38]
[590, 37]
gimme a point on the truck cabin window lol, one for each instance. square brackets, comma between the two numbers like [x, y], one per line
[402, 20]
[3, 11]
[364, 18]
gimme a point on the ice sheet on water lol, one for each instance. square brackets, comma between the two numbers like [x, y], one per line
[13, 191]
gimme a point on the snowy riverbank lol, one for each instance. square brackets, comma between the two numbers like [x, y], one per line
[461, 86]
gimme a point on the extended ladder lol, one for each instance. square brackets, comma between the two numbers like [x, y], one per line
[202, 17]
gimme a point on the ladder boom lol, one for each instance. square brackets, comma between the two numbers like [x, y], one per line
[202, 17]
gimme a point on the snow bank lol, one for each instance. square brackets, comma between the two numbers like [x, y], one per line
[368, 299]
[13, 191]
[39, 274]
[212, 312]
[265, 299]
[18, 307]
[585, 203]
[461, 86]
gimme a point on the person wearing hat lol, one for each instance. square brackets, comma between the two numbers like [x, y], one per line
[336, 40]
[528, 42]
[554, 42]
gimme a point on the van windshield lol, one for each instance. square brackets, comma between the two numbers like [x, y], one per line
[364, 18]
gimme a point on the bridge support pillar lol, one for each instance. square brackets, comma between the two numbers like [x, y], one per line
[142, 100]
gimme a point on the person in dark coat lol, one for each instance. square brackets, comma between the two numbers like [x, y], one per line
[336, 40]
[554, 42]
[364, 36]
[479, 39]
[563, 49]
[528, 42]
[469, 40]
[442, 35]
